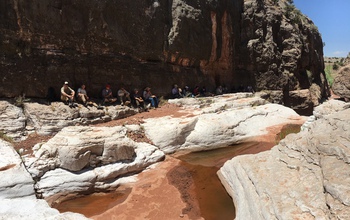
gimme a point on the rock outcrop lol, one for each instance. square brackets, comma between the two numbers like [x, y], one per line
[18, 199]
[303, 177]
[341, 84]
[19, 122]
[267, 44]
[220, 122]
[87, 159]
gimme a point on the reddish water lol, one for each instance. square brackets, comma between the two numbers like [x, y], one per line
[214, 202]
[94, 204]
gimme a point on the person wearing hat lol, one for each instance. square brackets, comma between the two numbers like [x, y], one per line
[67, 94]
[107, 95]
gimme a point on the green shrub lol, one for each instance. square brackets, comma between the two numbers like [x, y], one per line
[329, 77]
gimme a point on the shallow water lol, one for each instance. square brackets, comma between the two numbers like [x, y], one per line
[214, 202]
[94, 204]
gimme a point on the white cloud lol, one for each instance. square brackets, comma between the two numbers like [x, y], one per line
[340, 53]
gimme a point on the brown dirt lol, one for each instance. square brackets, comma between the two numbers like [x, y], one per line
[165, 110]
[28, 144]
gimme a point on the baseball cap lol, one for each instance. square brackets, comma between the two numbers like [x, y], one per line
[65, 83]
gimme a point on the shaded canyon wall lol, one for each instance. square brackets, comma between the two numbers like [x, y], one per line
[157, 43]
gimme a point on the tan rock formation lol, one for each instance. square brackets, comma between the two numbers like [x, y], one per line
[304, 177]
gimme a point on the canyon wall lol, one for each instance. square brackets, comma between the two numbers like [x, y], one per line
[267, 44]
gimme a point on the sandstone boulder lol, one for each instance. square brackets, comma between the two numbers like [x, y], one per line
[12, 120]
[15, 180]
[17, 196]
[341, 84]
[304, 177]
[82, 159]
[49, 119]
[219, 122]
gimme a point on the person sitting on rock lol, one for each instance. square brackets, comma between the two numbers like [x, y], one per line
[196, 91]
[82, 95]
[176, 92]
[186, 92]
[219, 90]
[205, 93]
[107, 95]
[67, 94]
[149, 97]
[124, 96]
[137, 100]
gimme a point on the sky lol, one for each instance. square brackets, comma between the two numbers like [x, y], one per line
[332, 17]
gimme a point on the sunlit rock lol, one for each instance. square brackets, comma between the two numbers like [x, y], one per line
[304, 177]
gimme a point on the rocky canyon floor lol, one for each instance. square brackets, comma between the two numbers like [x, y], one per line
[166, 190]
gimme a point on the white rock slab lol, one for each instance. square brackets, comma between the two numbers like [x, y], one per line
[306, 176]
[15, 180]
[33, 209]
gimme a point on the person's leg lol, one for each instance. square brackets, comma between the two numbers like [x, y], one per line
[152, 102]
[156, 102]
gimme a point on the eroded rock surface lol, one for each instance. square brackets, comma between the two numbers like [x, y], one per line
[304, 177]
[341, 84]
[269, 45]
[19, 122]
[12, 120]
[219, 122]
[87, 159]
[18, 199]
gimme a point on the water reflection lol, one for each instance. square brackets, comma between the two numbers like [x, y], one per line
[94, 204]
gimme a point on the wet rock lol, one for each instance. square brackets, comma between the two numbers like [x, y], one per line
[305, 176]
[33, 209]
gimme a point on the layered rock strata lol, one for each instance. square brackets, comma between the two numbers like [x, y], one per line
[267, 44]
[303, 177]
[18, 122]
[18, 199]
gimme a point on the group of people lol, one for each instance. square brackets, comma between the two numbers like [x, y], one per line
[143, 102]
[177, 92]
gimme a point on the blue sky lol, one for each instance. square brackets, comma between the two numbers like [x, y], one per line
[332, 17]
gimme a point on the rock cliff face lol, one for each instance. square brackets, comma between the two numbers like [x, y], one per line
[156, 42]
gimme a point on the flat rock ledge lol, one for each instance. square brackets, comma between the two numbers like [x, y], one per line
[19, 122]
[306, 176]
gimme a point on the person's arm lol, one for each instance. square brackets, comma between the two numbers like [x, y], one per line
[72, 92]
[64, 93]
